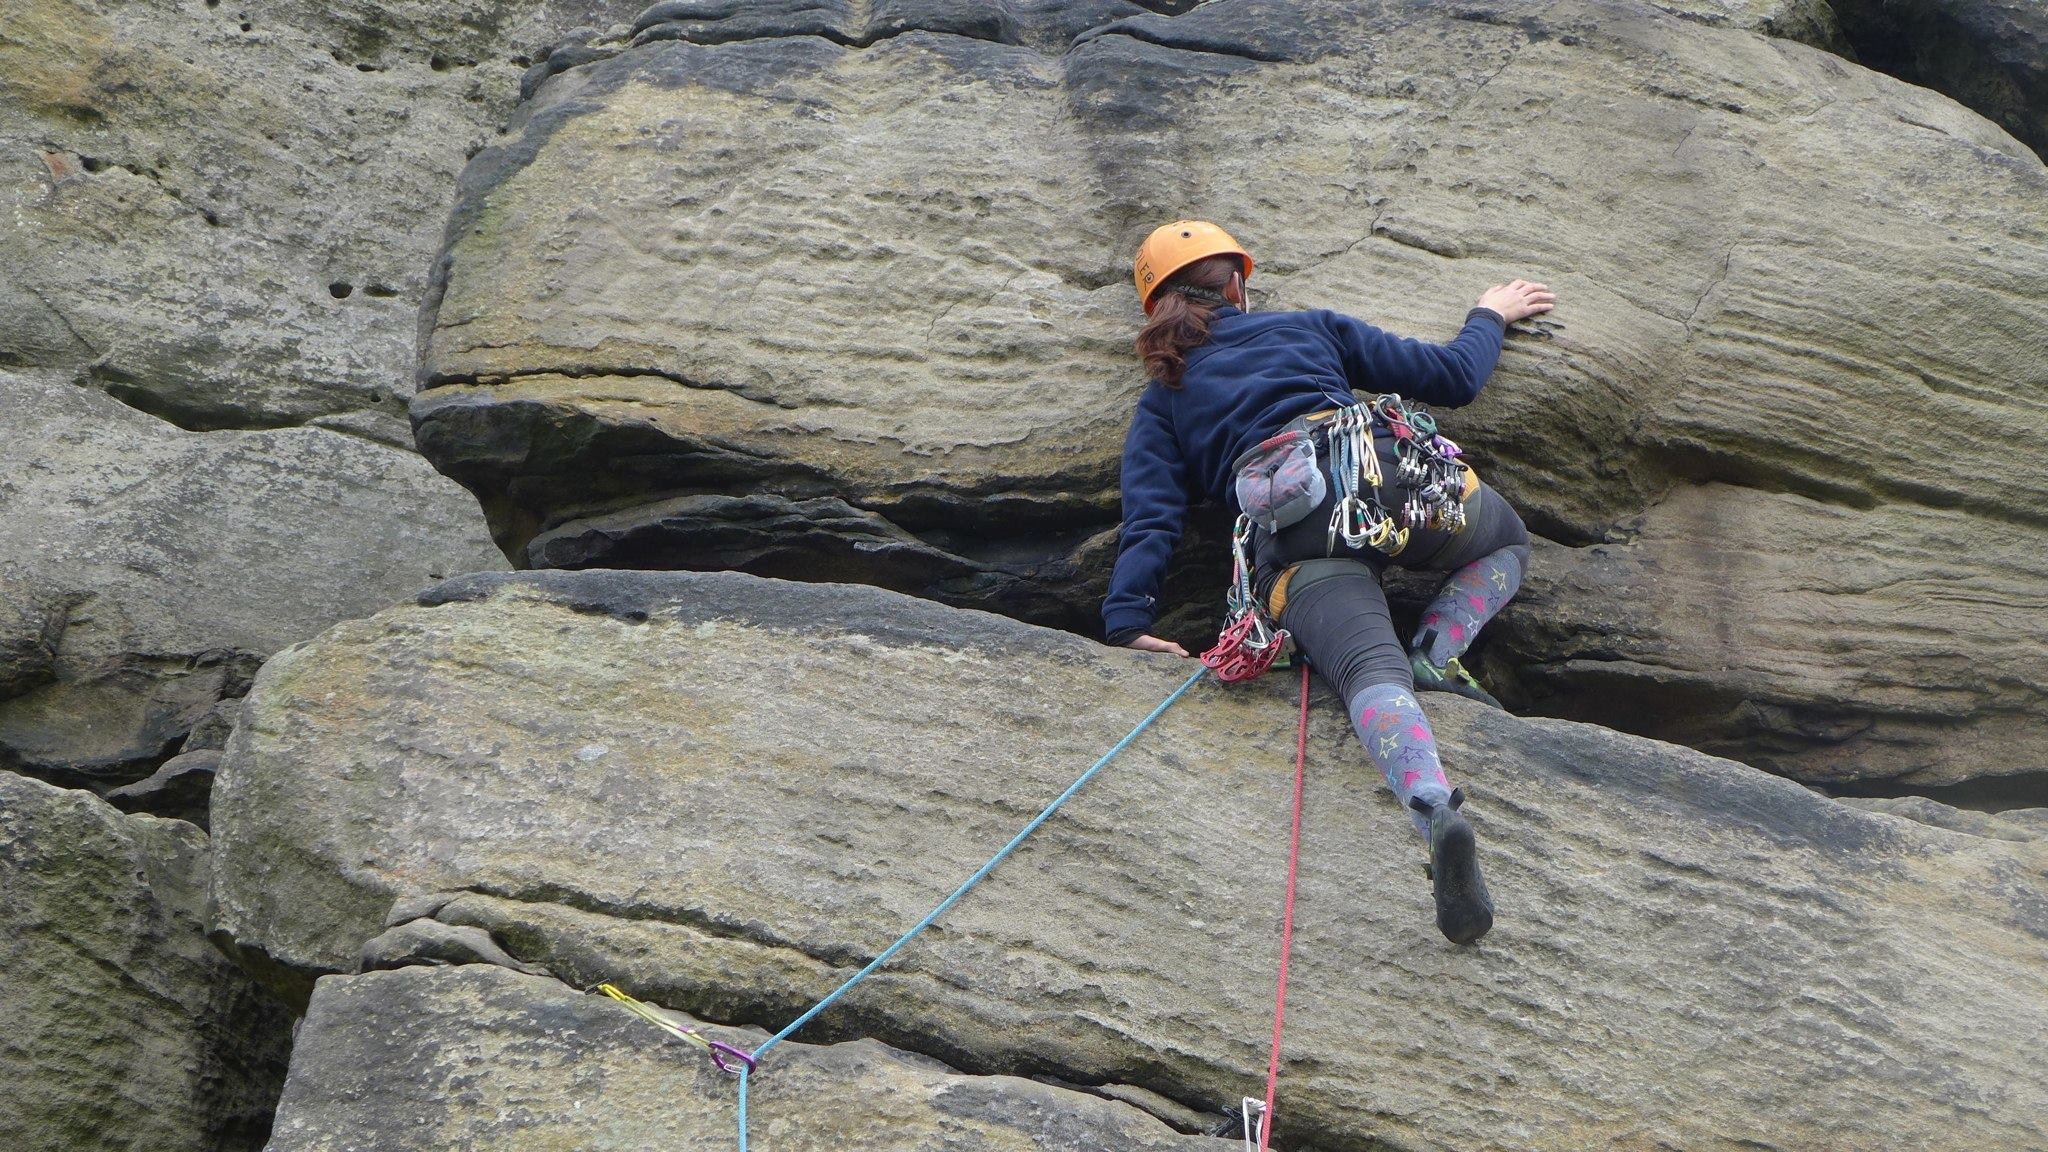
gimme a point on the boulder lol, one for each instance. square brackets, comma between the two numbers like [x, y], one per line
[1989, 54]
[181, 789]
[728, 793]
[430, 942]
[850, 307]
[126, 1030]
[479, 1057]
[225, 215]
[157, 568]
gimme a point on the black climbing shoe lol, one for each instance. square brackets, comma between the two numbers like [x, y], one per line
[1451, 677]
[1464, 911]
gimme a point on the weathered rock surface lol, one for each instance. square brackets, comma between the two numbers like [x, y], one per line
[1807, 21]
[610, 773]
[182, 789]
[2016, 824]
[478, 1057]
[431, 942]
[148, 571]
[1047, 25]
[225, 215]
[861, 314]
[125, 1028]
[1845, 651]
[1990, 54]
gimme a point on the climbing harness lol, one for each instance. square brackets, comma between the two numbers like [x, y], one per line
[1259, 1121]
[1273, 495]
[748, 1061]
[1250, 641]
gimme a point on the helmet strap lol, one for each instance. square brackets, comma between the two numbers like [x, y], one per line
[1206, 295]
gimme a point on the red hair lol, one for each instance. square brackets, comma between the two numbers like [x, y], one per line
[1180, 322]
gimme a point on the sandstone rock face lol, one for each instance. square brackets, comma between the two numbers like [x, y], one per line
[181, 789]
[1807, 21]
[610, 773]
[2016, 824]
[860, 313]
[224, 215]
[125, 1028]
[148, 571]
[1990, 54]
[390, 1061]
[1881, 645]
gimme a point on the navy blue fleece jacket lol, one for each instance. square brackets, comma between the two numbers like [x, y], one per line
[1256, 373]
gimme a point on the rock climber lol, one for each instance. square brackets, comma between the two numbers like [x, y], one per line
[1278, 410]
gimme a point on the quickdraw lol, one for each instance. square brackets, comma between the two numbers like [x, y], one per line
[729, 1059]
[1359, 518]
[1250, 641]
[1425, 463]
[743, 1064]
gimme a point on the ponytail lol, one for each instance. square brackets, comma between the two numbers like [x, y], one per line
[1178, 324]
[1180, 320]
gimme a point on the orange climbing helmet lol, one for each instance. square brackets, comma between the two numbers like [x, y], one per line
[1172, 247]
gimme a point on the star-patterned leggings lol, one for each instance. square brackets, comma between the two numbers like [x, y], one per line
[1343, 627]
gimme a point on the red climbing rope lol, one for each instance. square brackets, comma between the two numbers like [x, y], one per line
[1287, 918]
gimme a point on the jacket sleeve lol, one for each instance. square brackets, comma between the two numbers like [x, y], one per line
[1155, 504]
[1447, 375]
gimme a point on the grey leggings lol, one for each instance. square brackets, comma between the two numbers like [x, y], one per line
[1341, 621]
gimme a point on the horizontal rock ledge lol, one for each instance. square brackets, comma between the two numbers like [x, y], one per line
[480, 1057]
[730, 792]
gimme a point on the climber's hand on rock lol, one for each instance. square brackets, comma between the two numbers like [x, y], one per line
[1155, 644]
[1519, 299]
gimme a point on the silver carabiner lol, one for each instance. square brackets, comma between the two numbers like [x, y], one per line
[1341, 520]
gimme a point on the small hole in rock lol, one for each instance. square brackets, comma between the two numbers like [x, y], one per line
[380, 291]
[437, 63]
[93, 163]
[367, 68]
[212, 221]
[340, 289]
[246, 26]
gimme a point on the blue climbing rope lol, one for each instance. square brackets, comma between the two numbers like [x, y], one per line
[748, 1066]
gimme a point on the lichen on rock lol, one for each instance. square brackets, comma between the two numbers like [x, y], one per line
[610, 774]
[224, 216]
[481, 1057]
[126, 1029]
[148, 571]
[875, 288]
